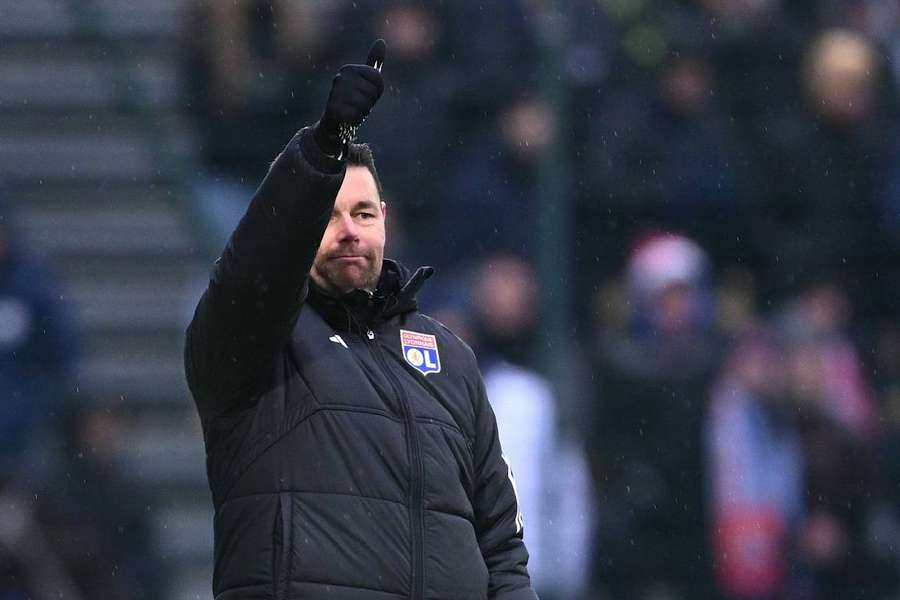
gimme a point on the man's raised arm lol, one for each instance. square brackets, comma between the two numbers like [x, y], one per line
[259, 282]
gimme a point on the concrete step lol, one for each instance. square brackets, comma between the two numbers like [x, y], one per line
[85, 147]
[166, 456]
[158, 232]
[154, 348]
[28, 121]
[128, 367]
[185, 533]
[140, 305]
[76, 81]
[38, 196]
[130, 50]
[166, 450]
[95, 156]
[191, 581]
[44, 18]
[115, 245]
[135, 381]
[122, 267]
[124, 271]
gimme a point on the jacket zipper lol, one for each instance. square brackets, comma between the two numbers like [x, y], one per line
[417, 513]
[281, 571]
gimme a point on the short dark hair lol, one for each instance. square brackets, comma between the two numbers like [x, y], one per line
[360, 155]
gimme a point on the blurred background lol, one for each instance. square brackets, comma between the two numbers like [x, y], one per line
[670, 230]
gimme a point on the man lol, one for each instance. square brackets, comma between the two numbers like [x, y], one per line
[351, 451]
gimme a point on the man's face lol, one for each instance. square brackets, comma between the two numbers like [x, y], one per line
[352, 248]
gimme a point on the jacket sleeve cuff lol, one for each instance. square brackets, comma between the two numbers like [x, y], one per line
[312, 154]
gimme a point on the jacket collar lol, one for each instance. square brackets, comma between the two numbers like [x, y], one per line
[360, 310]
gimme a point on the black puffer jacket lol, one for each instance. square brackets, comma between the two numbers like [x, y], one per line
[338, 469]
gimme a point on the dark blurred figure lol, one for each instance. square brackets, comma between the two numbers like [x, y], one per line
[661, 154]
[791, 435]
[829, 370]
[96, 519]
[37, 358]
[249, 76]
[816, 171]
[493, 46]
[836, 419]
[885, 524]
[880, 21]
[755, 46]
[489, 202]
[552, 478]
[37, 354]
[417, 100]
[505, 303]
[30, 565]
[654, 371]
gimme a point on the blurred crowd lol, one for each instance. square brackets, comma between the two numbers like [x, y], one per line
[734, 234]
[72, 523]
[731, 430]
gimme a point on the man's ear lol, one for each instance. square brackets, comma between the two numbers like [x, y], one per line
[384, 210]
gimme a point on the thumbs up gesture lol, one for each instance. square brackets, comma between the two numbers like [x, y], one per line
[354, 92]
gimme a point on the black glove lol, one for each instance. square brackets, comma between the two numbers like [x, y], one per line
[354, 91]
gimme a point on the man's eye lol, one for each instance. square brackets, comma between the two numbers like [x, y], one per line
[366, 215]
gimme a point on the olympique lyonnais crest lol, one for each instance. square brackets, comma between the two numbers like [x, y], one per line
[421, 351]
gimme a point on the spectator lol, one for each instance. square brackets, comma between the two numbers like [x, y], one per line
[37, 353]
[790, 438]
[662, 154]
[248, 77]
[505, 300]
[754, 466]
[654, 376]
[826, 367]
[754, 45]
[551, 472]
[30, 566]
[836, 422]
[791, 435]
[417, 100]
[486, 40]
[95, 518]
[37, 357]
[884, 527]
[495, 178]
[815, 207]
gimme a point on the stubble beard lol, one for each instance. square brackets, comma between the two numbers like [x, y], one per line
[339, 280]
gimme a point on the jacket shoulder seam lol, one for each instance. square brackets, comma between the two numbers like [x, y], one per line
[314, 493]
[306, 417]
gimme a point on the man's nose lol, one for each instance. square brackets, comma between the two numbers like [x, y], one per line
[347, 229]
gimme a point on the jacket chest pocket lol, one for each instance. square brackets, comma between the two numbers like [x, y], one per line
[283, 538]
